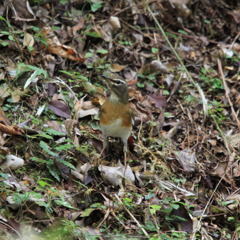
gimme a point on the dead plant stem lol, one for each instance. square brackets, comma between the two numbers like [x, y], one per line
[134, 219]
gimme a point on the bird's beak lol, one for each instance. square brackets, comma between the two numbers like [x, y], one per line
[109, 80]
[105, 76]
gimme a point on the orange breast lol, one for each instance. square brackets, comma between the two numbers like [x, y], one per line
[110, 112]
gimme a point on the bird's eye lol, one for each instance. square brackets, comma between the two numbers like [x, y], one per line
[119, 82]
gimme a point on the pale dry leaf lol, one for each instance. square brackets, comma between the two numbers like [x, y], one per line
[187, 159]
[28, 40]
[234, 140]
[114, 21]
[115, 175]
[117, 67]
[84, 113]
[12, 162]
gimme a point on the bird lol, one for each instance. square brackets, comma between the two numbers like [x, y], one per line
[115, 114]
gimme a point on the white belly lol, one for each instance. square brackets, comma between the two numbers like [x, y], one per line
[116, 130]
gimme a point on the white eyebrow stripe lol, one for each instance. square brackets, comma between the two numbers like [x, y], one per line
[119, 80]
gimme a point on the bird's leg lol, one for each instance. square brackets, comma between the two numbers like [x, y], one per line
[105, 145]
[125, 152]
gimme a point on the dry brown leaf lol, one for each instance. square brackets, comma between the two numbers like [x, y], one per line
[60, 108]
[3, 118]
[117, 67]
[54, 46]
[11, 130]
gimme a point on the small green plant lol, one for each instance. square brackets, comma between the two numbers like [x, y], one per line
[95, 4]
[10, 33]
[216, 111]
[214, 84]
[51, 151]
[36, 72]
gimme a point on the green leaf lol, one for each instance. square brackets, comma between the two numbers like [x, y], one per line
[54, 172]
[149, 196]
[140, 85]
[154, 50]
[168, 115]
[174, 206]
[93, 34]
[154, 208]
[66, 163]
[36, 72]
[183, 32]
[10, 37]
[166, 92]
[95, 7]
[102, 51]
[64, 204]
[36, 159]
[83, 77]
[64, 147]
[42, 134]
[4, 43]
[88, 55]
[54, 132]
[45, 147]
[87, 212]
[43, 183]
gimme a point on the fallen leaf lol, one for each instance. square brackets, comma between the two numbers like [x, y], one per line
[12, 162]
[115, 175]
[117, 67]
[83, 113]
[187, 159]
[60, 108]
[54, 46]
[28, 40]
[114, 21]
[11, 130]
[159, 100]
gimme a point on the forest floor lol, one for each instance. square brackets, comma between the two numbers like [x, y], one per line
[181, 61]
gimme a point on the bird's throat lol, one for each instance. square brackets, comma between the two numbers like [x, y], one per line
[114, 98]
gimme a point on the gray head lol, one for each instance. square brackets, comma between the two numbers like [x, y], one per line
[119, 89]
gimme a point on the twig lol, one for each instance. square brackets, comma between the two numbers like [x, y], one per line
[234, 40]
[7, 225]
[58, 79]
[134, 219]
[204, 100]
[226, 92]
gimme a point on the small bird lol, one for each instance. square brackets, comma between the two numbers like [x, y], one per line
[115, 114]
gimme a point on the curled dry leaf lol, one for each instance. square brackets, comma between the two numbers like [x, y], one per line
[114, 21]
[60, 108]
[11, 130]
[28, 40]
[115, 175]
[12, 162]
[54, 46]
[89, 112]
[187, 159]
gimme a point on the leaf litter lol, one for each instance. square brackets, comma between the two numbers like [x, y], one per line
[182, 176]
